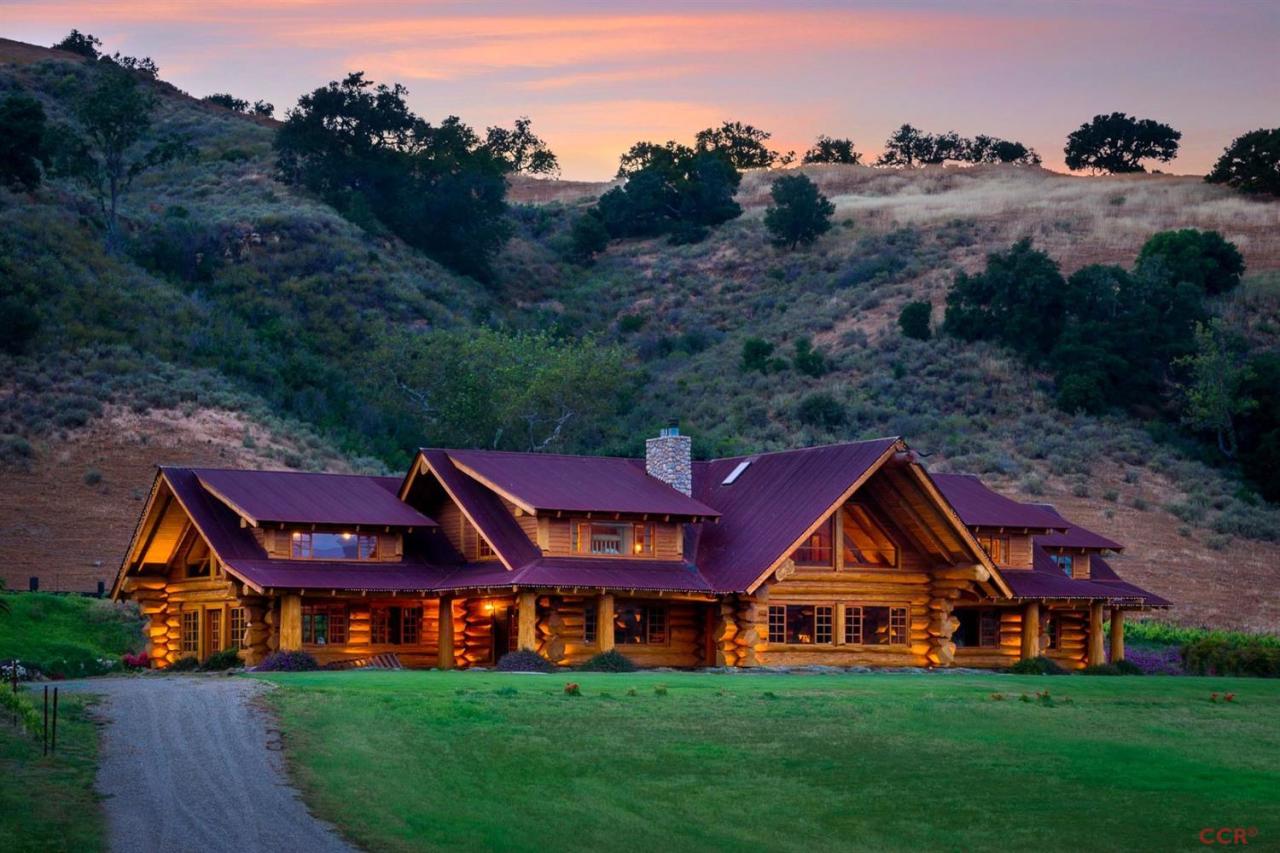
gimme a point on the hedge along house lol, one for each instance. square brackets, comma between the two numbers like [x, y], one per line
[844, 554]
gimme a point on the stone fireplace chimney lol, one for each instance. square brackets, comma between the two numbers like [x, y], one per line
[669, 457]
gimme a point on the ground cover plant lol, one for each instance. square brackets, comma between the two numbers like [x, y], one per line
[49, 802]
[68, 635]
[703, 761]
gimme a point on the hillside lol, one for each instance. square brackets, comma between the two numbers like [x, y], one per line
[244, 307]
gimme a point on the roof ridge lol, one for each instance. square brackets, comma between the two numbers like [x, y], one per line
[794, 450]
[448, 450]
[194, 468]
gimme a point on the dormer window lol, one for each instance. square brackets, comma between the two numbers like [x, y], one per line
[997, 548]
[613, 539]
[1066, 562]
[316, 545]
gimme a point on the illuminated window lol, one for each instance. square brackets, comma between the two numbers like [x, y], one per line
[639, 625]
[324, 624]
[613, 539]
[396, 625]
[865, 541]
[800, 624]
[235, 621]
[997, 548]
[1065, 562]
[589, 623]
[875, 626]
[1053, 629]
[334, 546]
[816, 550]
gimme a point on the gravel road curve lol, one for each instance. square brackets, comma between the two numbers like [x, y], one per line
[190, 764]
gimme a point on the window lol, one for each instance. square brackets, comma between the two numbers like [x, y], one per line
[235, 633]
[816, 550]
[800, 624]
[1053, 629]
[613, 539]
[483, 549]
[640, 624]
[334, 546]
[589, 614]
[191, 632]
[513, 629]
[395, 625]
[213, 624]
[1065, 562]
[324, 624]
[864, 539]
[997, 548]
[875, 626]
[979, 627]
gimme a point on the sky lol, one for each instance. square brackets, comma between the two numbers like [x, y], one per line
[596, 77]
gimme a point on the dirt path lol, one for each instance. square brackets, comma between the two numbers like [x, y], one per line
[188, 763]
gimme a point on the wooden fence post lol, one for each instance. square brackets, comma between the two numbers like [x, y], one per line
[45, 742]
[53, 741]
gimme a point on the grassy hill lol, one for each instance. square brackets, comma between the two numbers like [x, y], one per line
[243, 307]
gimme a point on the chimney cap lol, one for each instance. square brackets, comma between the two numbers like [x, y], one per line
[671, 429]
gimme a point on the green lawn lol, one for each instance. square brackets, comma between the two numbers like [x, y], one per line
[47, 802]
[68, 635]
[484, 760]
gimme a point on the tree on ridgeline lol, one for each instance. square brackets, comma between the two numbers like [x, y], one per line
[670, 189]
[81, 43]
[1118, 143]
[263, 109]
[800, 213]
[521, 149]
[359, 147]
[988, 149]
[23, 152]
[909, 146]
[227, 101]
[1251, 163]
[742, 145]
[115, 141]
[828, 150]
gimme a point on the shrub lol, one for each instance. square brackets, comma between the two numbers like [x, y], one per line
[1127, 667]
[287, 662]
[20, 705]
[821, 410]
[914, 320]
[225, 659]
[524, 660]
[187, 664]
[92, 477]
[1122, 667]
[807, 360]
[1218, 656]
[1036, 666]
[755, 354]
[138, 661]
[610, 661]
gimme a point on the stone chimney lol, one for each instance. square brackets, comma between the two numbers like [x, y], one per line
[669, 457]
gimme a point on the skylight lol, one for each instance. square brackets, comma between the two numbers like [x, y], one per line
[736, 473]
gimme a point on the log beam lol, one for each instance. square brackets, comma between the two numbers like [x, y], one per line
[1031, 630]
[290, 623]
[1117, 635]
[444, 643]
[528, 622]
[604, 622]
[1096, 655]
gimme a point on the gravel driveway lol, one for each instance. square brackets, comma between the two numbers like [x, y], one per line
[188, 763]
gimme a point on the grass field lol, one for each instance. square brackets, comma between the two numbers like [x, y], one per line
[68, 635]
[47, 802]
[428, 760]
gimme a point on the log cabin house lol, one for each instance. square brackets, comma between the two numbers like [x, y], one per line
[847, 554]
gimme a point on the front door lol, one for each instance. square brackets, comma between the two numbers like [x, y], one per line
[504, 632]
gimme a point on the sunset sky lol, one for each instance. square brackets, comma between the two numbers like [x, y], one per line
[598, 76]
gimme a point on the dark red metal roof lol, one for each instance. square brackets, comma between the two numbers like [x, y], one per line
[219, 524]
[547, 482]
[1074, 536]
[1101, 573]
[770, 505]
[302, 498]
[316, 574]
[979, 506]
[1046, 580]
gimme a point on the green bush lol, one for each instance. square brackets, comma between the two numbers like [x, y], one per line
[914, 320]
[20, 704]
[187, 664]
[1036, 666]
[225, 659]
[821, 410]
[610, 661]
[1219, 656]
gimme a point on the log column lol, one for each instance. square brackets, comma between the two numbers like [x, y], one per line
[1096, 656]
[528, 622]
[290, 623]
[1031, 630]
[1117, 635]
[444, 649]
[604, 622]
